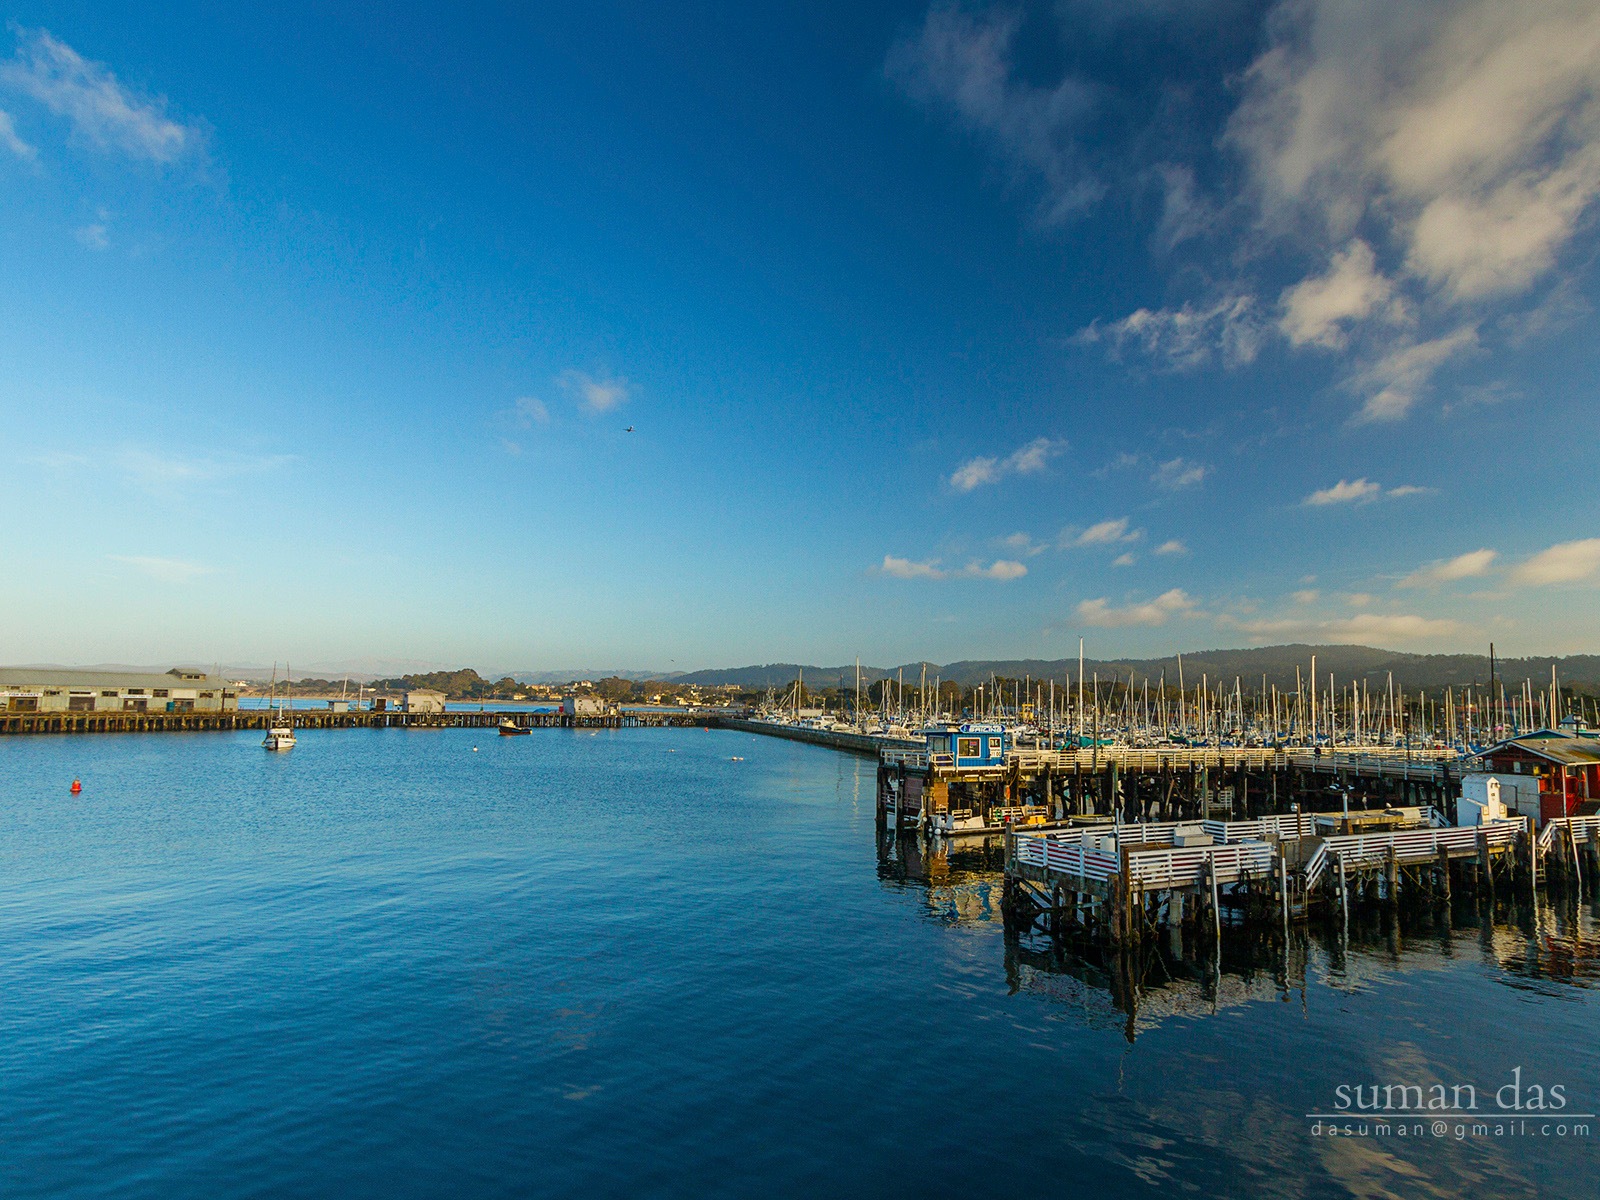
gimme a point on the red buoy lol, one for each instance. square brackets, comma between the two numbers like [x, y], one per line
[77, 786]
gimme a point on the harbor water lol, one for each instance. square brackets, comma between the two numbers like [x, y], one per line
[680, 962]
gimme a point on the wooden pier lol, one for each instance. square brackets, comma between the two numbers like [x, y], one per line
[917, 790]
[261, 718]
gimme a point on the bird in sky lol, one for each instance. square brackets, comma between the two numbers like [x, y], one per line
[629, 429]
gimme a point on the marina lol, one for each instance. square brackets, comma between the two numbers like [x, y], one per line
[423, 965]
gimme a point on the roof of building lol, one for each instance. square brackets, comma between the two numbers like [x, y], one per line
[1567, 751]
[13, 677]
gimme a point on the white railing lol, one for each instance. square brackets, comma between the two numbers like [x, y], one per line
[916, 760]
[1577, 829]
[1284, 828]
[1359, 850]
[1154, 870]
[1055, 853]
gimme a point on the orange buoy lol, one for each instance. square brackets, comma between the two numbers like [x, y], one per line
[77, 786]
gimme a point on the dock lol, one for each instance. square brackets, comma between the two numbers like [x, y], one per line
[312, 718]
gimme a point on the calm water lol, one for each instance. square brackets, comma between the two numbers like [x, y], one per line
[624, 964]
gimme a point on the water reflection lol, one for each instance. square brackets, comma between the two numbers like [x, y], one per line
[1544, 946]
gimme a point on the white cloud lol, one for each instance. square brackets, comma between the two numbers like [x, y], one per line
[1124, 560]
[162, 570]
[961, 63]
[1174, 546]
[1408, 489]
[974, 473]
[1186, 337]
[1307, 596]
[1456, 141]
[1464, 566]
[1180, 473]
[1026, 460]
[1353, 289]
[11, 141]
[1023, 543]
[1346, 491]
[96, 235]
[594, 395]
[1002, 570]
[1567, 562]
[904, 568]
[1105, 533]
[1100, 614]
[1470, 130]
[103, 112]
[1391, 625]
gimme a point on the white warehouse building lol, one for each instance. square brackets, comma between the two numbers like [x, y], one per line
[46, 689]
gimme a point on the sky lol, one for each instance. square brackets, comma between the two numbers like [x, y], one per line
[673, 336]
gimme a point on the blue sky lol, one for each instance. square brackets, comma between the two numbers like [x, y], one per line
[943, 331]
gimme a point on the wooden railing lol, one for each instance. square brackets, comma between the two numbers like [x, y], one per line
[1573, 829]
[1359, 850]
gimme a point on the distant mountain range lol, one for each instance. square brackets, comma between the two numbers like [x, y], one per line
[1277, 663]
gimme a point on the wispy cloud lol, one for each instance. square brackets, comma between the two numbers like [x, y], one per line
[103, 112]
[1464, 566]
[1430, 161]
[1026, 460]
[1124, 560]
[162, 570]
[1180, 473]
[1315, 308]
[531, 411]
[962, 64]
[1023, 543]
[594, 395]
[1566, 562]
[1103, 533]
[1362, 627]
[160, 472]
[1360, 491]
[1346, 491]
[1101, 614]
[904, 568]
[1231, 329]
[11, 141]
[1393, 383]
[1172, 546]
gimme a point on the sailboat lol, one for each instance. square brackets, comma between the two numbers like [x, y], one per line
[281, 735]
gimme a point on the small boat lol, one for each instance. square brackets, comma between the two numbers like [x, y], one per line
[281, 735]
[509, 728]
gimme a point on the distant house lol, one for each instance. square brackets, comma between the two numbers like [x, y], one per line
[583, 706]
[33, 689]
[424, 700]
[1567, 769]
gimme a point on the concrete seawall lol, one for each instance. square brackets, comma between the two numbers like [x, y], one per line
[855, 743]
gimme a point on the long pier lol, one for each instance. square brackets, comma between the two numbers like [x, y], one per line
[261, 718]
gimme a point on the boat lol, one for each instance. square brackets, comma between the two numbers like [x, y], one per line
[509, 728]
[281, 735]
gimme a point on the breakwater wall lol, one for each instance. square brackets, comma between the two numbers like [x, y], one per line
[855, 743]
